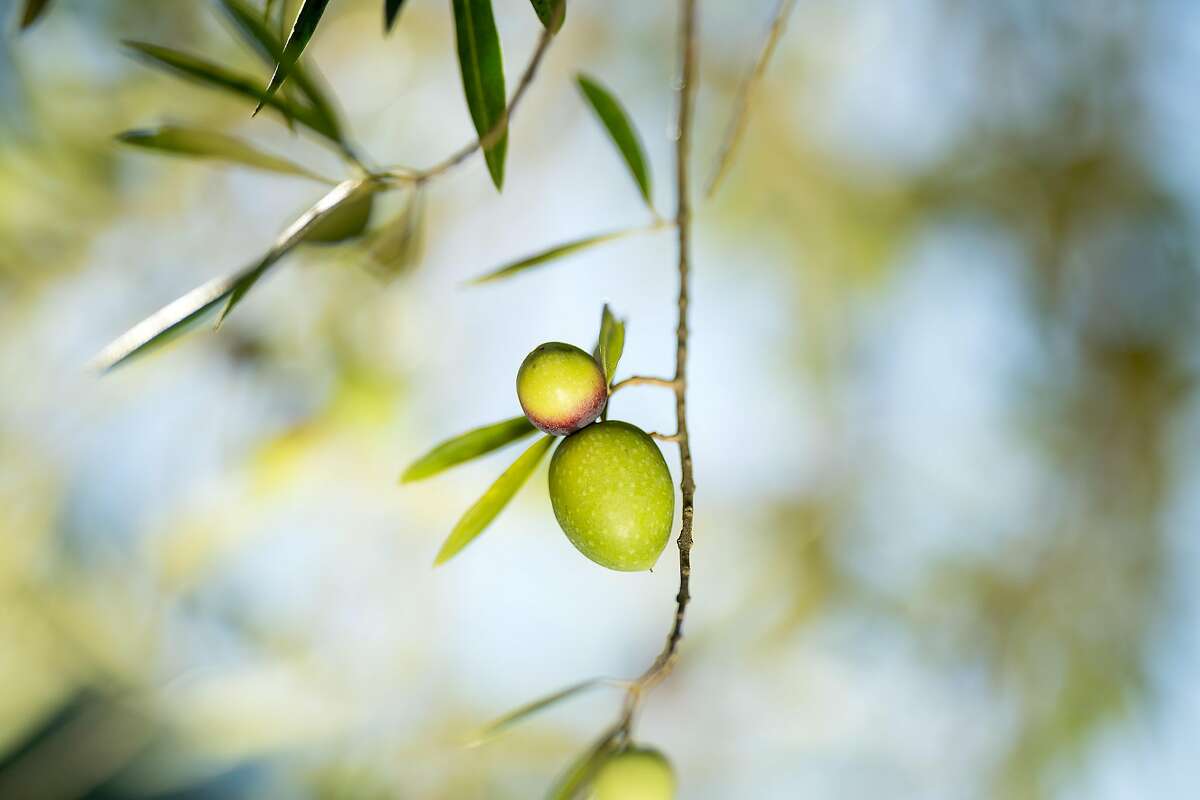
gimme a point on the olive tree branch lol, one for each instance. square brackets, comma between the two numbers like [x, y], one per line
[665, 661]
[644, 380]
[419, 177]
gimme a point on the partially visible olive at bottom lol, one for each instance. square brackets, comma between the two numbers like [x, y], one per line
[612, 495]
[635, 774]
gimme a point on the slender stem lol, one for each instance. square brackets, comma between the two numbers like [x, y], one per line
[665, 661]
[664, 437]
[643, 380]
[499, 128]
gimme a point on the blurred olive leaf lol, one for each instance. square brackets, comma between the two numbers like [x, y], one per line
[391, 10]
[582, 771]
[340, 215]
[556, 252]
[213, 75]
[307, 19]
[398, 243]
[616, 121]
[500, 725]
[482, 67]
[480, 515]
[611, 343]
[469, 445]
[169, 322]
[546, 11]
[253, 28]
[182, 315]
[33, 11]
[348, 221]
[197, 143]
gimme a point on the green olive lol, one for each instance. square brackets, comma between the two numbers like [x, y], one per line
[561, 388]
[612, 495]
[635, 774]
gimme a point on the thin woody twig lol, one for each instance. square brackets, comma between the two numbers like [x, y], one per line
[497, 130]
[741, 112]
[665, 661]
[664, 437]
[644, 380]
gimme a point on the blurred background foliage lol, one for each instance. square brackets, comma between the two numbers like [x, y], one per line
[944, 392]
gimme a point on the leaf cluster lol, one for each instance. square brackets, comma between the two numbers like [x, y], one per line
[480, 441]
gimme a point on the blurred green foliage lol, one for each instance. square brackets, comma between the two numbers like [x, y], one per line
[1056, 605]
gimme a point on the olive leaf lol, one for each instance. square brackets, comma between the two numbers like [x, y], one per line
[482, 69]
[620, 129]
[546, 11]
[558, 251]
[303, 28]
[469, 445]
[253, 28]
[169, 322]
[611, 343]
[398, 243]
[198, 143]
[341, 214]
[209, 74]
[184, 313]
[480, 515]
[33, 11]
[582, 771]
[391, 10]
[498, 726]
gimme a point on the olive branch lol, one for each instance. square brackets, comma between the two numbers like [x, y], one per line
[296, 92]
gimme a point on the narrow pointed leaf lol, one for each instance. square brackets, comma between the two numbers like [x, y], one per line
[611, 343]
[498, 726]
[546, 10]
[616, 121]
[170, 321]
[346, 222]
[582, 771]
[345, 196]
[469, 445]
[391, 10]
[307, 19]
[184, 313]
[197, 143]
[482, 69]
[480, 515]
[558, 251]
[253, 27]
[33, 11]
[215, 76]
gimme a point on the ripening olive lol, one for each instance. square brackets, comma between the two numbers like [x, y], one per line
[635, 774]
[612, 495]
[561, 388]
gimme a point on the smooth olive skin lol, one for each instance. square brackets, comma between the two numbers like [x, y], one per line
[635, 774]
[561, 388]
[612, 495]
